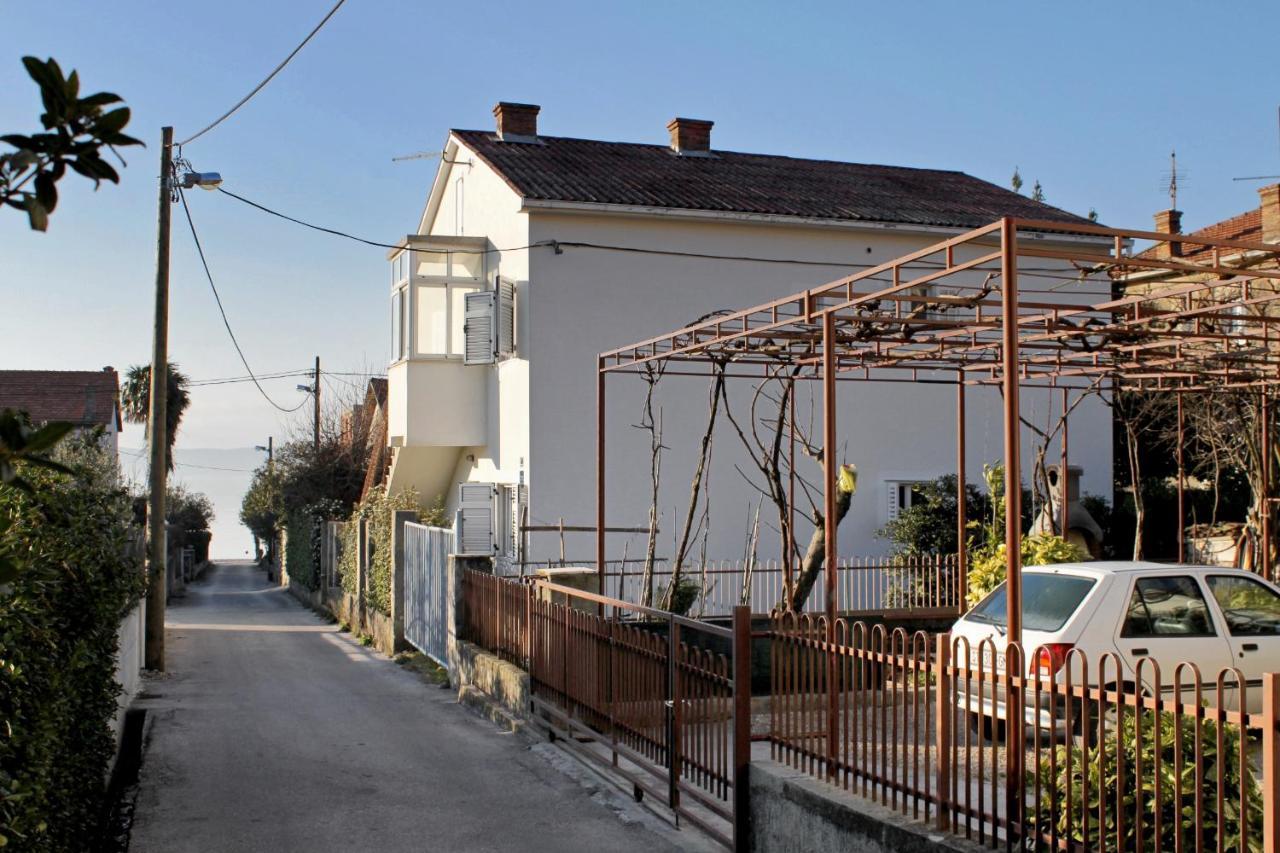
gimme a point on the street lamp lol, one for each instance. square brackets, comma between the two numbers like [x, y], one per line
[157, 570]
[268, 449]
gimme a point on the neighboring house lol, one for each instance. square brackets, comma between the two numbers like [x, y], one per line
[364, 429]
[1258, 225]
[535, 253]
[87, 398]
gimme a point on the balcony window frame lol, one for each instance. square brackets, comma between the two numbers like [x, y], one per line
[457, 279]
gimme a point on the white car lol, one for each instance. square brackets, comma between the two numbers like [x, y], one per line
[1212, 617]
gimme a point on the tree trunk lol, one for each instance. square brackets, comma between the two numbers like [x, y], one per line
[695, 488]
[815, 556]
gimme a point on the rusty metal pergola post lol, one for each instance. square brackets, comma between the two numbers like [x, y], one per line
[1011, 379]
[1064, 481]
[1012, 427]
[962, 520]
[788, 579]
[830, 467]
[600, 481]
[1182, 487]
[1264, 467]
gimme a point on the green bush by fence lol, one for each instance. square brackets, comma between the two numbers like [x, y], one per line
[376, 511]
[305, 535]
[58, 641]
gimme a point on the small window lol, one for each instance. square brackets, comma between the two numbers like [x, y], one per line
[1251, 609]
[902, 494]
[1167, 607]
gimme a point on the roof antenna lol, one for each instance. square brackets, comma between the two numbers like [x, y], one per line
[1264, 177]
[1169, 180]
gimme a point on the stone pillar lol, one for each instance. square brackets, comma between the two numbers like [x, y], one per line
[362, 572]
[455, 619]
[398, 519]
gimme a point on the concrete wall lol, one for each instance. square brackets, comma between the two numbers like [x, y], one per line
[130, 637]
[792, 812]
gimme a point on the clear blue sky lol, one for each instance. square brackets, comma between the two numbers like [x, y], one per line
[1086, 97]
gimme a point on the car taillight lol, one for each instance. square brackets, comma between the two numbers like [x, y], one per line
[1051, 656]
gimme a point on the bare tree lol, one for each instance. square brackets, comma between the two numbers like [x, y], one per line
[652, 424]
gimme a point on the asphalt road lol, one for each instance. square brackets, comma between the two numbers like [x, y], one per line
[273, 731]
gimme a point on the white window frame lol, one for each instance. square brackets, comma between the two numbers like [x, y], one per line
[457, 277]
[895, 489]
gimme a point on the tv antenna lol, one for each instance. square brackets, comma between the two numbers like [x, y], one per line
[1170, 179]
[1263, 177]
[430, 155]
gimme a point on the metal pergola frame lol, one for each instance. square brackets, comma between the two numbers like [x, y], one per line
[1200, 327]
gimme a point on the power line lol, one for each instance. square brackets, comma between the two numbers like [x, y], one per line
[209, 275]
[256, 89]
[367, 242]
[140, 454]
[559, 245]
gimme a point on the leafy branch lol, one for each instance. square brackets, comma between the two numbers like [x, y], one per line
[75, 132]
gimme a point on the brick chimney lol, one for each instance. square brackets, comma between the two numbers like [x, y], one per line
[690, 135]
[516, 120]
[1270, 206]
[1169, 222]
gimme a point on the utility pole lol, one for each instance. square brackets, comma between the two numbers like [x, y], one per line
[316, 395]
[271, 451]
[157, 423]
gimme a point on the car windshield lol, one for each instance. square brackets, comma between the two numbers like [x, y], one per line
[1047, 602]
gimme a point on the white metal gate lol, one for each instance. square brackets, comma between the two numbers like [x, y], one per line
[426, 589]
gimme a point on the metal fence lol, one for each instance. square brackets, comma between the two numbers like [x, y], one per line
[426, 589]
[1074, 755]
[331, 553]
[661, 700]
[864, 585]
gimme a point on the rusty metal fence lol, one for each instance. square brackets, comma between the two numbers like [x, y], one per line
[1074, 755]
[922, 585]
[660, 700]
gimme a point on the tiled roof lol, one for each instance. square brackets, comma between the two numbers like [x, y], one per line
[1245, 227]
[83, 397]
[622, 173]
[378, 387]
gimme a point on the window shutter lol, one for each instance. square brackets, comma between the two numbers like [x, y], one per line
[893, 501]
[478, 328]
[506, 316]
[475, 505]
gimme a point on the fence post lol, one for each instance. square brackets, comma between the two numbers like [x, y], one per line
[943, 716]
[398, 519]
[1270, 762]
[741, 728]
[675, 719]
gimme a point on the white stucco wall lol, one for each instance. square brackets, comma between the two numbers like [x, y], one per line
[586, 301]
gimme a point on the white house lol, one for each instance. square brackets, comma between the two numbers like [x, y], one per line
[535, 253]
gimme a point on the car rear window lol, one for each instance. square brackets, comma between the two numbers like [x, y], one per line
[1047, 602]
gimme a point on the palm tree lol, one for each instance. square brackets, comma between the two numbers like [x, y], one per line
[135, 400]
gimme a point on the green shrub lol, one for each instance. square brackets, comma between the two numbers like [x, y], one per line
[988, 569]
[376, 511]
[58, 639]
[305, 537]
[683, 596]
[1107, 785]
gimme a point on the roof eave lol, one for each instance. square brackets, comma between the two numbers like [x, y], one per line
[529, 205]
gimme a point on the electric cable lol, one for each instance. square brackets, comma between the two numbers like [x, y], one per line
[218, 299]
[256, 89]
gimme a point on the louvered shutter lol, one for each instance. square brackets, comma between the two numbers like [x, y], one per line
[506, 314]
[475, 506]
[478, 328]
[893, 501]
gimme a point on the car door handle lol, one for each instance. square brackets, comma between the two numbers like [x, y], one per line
[1138, 652]
[1249, 647]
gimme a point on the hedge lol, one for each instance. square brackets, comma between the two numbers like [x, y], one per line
[58, 640]
[376, 510]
